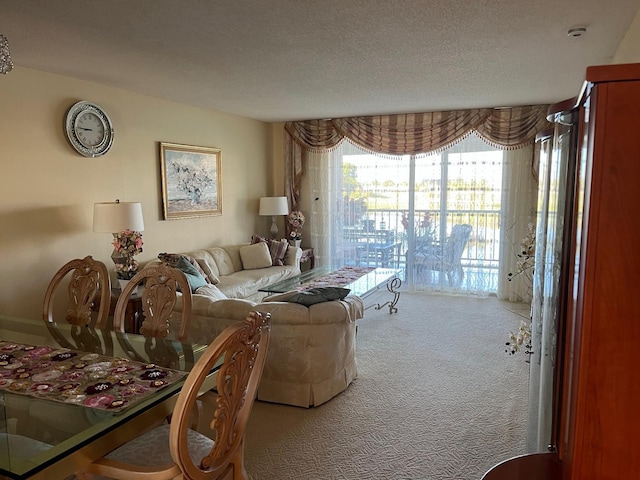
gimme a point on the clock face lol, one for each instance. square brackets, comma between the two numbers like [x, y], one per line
[89, 129]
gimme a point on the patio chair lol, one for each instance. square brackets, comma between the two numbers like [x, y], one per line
[446, 257]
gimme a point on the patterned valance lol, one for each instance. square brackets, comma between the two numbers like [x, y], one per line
[409, 134]
[413, 133]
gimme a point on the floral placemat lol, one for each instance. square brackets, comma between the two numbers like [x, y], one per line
[71, 376]
[341, 277]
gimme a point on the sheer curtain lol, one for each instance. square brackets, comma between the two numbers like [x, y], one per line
[320, 197]
[499, 210]
[315, 180]
[519, 194]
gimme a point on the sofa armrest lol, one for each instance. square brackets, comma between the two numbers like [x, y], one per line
[293, 256]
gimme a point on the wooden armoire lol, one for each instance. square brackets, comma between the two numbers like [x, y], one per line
[596, 401]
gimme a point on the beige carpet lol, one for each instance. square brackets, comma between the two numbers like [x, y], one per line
[436, 398]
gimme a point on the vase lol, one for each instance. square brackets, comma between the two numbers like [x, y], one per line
[295, 243]
[123, 283]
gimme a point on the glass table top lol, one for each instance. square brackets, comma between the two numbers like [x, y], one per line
[35, 433]
[362, 286]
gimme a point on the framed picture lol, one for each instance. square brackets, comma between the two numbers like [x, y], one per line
[191, 181]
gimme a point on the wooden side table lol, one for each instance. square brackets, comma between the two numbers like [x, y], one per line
[307, 256]
[134, 313]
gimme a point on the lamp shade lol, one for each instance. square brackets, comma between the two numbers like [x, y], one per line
[274, 206]
[114, 217]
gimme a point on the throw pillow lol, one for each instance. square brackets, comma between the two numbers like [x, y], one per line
[208, 273]
[281, 297]
[258, 238]
[197, 266]
[211, 291]
[319, 295]
[277, 249]
[172, 260]
[255, 256]
[195, 279]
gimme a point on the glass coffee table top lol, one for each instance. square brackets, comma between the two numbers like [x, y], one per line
[363, 286]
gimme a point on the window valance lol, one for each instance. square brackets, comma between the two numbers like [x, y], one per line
[413, 133]
[409, 134]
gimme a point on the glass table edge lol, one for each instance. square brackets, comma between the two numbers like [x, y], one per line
[385, 273]
[24, 468]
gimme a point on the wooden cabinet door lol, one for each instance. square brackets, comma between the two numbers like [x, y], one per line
[603, 391]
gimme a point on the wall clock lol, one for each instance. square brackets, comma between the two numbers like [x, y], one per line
[89, 129]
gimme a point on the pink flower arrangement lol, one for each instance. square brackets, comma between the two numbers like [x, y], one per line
[296, 221]
[127, 244]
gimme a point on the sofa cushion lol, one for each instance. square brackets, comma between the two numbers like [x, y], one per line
[195, 279]
[208, 272]
[255, 256]
[277, 249]
[318, 295]
[233, 251]
[211, 291]
[206, 261]
[223, 260]
[246, 283]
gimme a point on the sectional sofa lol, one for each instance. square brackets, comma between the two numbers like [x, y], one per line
[311, 355]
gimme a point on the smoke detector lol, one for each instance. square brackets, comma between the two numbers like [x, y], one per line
[576, 31]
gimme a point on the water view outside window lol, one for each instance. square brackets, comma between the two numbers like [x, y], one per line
[402, 211]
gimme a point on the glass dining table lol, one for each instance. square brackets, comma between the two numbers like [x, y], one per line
[45, 439]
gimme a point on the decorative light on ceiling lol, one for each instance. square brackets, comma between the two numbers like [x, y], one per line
[6, 65]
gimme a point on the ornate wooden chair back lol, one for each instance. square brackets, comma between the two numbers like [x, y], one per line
[159, 297]
[239, 353]
[89, 278]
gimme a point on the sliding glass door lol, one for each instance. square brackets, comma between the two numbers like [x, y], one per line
[436, 217]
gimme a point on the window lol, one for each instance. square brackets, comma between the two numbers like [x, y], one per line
[401, 212]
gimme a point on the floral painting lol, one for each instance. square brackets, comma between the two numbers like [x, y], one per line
[191, 181]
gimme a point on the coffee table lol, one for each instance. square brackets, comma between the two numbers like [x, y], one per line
[362, 287]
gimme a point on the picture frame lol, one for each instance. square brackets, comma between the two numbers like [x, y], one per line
[191, 181]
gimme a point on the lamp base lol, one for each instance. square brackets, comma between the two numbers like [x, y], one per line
[274, 228]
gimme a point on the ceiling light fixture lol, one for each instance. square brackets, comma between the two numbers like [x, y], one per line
[6, 65]
[576, 31]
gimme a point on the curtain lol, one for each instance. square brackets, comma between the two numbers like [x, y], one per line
[310, 147]
[519, 194]
[322, 200]
[406, 134]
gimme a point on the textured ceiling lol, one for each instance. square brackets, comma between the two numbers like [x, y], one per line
[279, 60]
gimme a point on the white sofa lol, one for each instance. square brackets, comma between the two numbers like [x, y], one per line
[224, 264]
[312, 350]
[311, 356]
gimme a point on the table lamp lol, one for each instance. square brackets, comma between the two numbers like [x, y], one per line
[274, 206]
[124, 221]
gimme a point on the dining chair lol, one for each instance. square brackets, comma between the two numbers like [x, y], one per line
[159, 297]
[176, 449]
[89, 278]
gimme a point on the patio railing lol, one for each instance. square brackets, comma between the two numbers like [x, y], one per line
[382, 239]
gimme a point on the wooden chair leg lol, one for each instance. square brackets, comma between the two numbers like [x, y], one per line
[239, 472]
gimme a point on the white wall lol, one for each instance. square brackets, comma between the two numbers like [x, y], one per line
[47, 190]
[629, 49]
